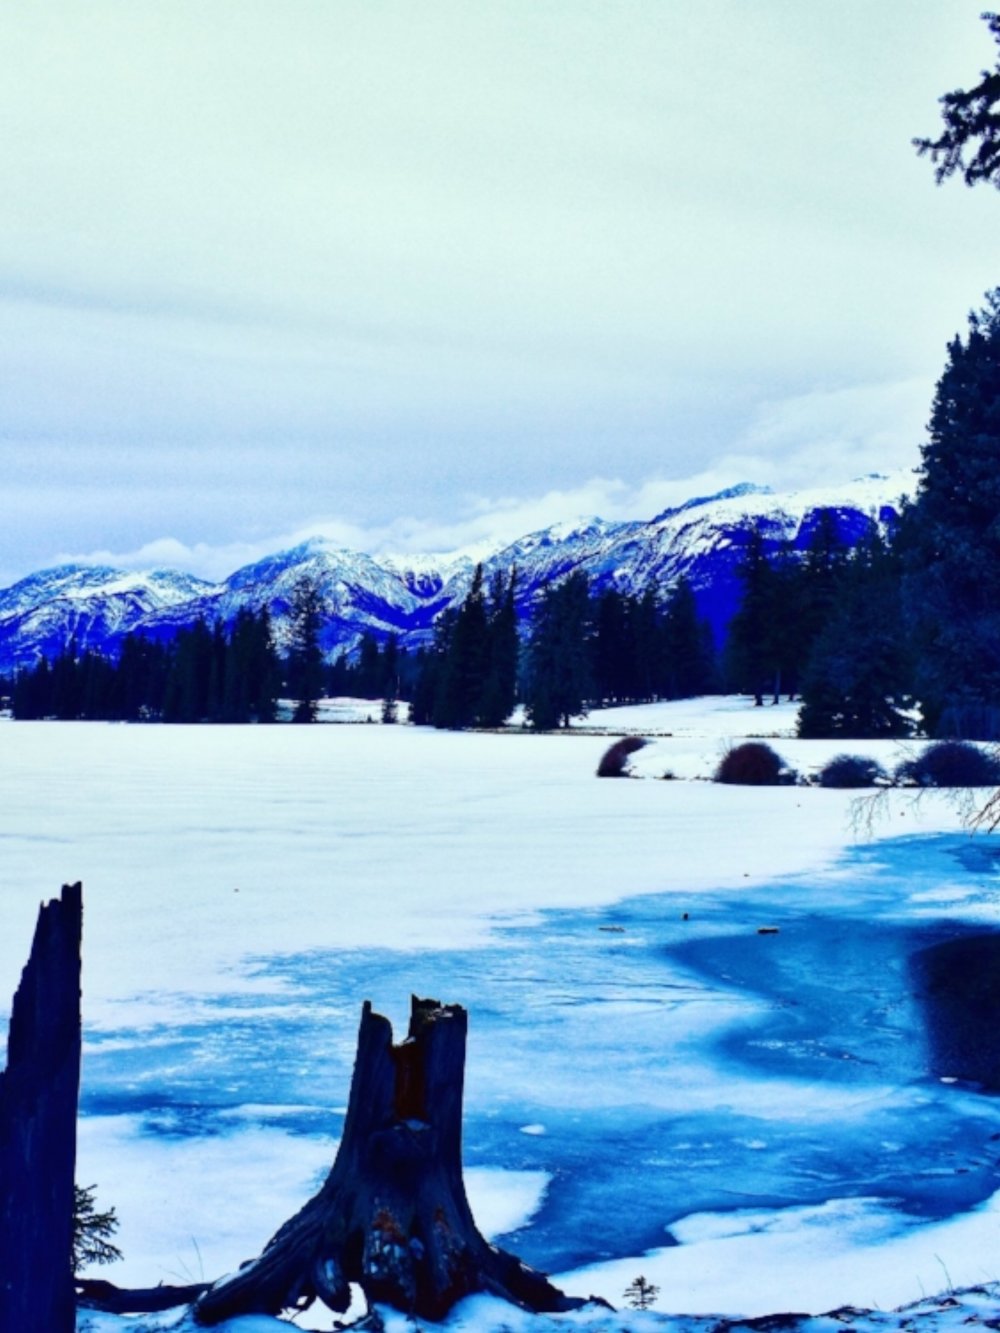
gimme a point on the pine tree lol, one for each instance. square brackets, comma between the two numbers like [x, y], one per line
[305, 659]
[368, 675]
[465, 664]
[66, 683]
[240, 667]
[820, 582]
[390, 710]
[787, 594]
[139, 680]
[641, 1294]
[216, 673]
[31, 697]
[338, 675]
[687, 658]
[644, 623]
[97, 679]
[752, 656]
[187, 690]
[951, 540]
[429, 686]
[263, 668]
[424, 688]
[388, 670]
[856, 682]
[559, 672]
[612, 647]
[499, 693]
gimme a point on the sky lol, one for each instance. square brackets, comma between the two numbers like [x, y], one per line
[418, 276]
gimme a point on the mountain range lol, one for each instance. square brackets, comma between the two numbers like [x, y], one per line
[702, 539]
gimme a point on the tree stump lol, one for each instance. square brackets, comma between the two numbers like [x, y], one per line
[38, 1104]
[392, 1215]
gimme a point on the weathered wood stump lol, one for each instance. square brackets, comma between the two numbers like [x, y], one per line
[392, 1215]
[38, 1103]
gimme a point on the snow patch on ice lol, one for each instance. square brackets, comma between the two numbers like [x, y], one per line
[845, 1252]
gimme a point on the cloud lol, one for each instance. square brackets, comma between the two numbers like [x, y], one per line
[823, 438]
[481, 525]
[832, 435]
[489, 267]
[205, 560]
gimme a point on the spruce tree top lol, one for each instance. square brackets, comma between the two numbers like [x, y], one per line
[969, 142]
[961, 459]
[951, 542]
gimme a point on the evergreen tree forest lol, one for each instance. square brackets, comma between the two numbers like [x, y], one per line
[374, 671]
[857, 674]
[579, 652]
[468, 677]
[827, 627]
[203, 674]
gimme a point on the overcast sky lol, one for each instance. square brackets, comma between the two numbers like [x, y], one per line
[415, 274]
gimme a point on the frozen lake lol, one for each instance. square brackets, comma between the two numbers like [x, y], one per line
[758, 1121]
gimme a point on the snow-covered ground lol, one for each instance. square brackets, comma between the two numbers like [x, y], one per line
[755, 1122]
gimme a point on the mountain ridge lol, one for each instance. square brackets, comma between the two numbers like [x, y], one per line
[700, 539]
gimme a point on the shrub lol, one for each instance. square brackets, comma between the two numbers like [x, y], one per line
[852, 770]
[613, 761]
[951, 764]
[753, 764]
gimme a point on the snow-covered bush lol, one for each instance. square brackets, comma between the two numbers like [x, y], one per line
[852, 770]
[753, 764]
[614, 760]
[951, 764]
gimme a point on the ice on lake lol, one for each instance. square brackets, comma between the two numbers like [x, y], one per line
[652, 1084]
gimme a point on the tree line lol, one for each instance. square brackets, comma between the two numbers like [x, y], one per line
[205, 673]
[580, 652]
[826, 628]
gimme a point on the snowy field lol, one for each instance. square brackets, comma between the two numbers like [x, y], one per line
[755, 1122]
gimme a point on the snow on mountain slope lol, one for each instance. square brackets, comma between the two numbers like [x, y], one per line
[403, 594]
[701, 540]
[433, 575]
[359, 591]
[43, 613]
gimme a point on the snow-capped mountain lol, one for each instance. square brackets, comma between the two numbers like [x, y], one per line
[359, 593]
[701, 540]
[93, 604]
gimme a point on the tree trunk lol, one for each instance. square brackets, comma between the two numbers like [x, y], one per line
[38, 1102]
[392, 1215]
